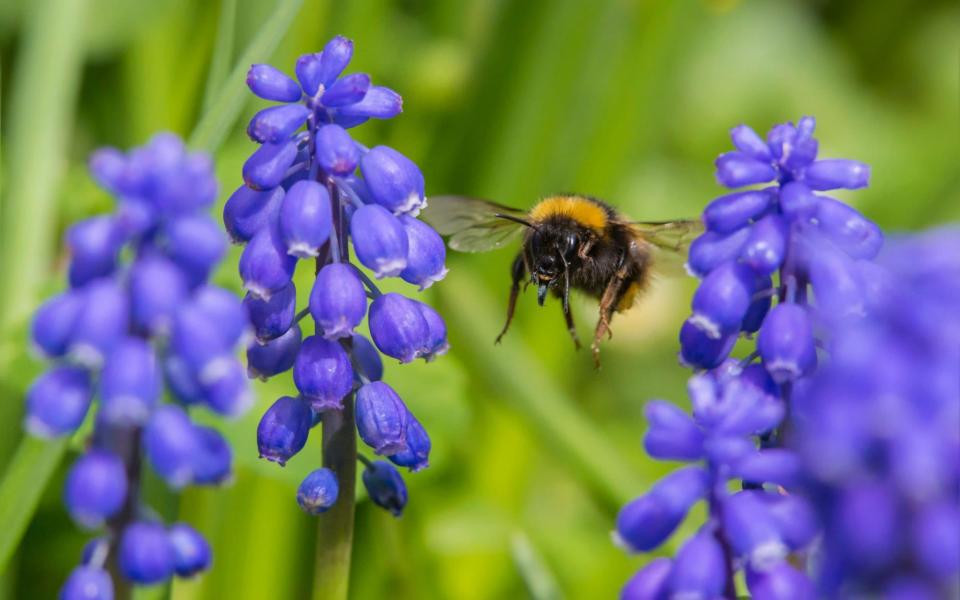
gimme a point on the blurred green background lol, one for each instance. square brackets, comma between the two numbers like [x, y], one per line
[533, 450]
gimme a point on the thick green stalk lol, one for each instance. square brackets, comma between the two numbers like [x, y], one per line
[335, 527]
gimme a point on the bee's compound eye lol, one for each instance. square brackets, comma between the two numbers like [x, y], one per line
[570, 244]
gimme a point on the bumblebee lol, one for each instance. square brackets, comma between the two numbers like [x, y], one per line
[569, 242]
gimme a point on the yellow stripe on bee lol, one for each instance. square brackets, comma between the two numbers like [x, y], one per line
[581, 210]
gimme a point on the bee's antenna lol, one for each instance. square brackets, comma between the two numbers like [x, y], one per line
[517, 220]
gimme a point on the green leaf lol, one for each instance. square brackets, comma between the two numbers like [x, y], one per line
[23, 484]
[228, 102]
[541, 584]
[222, 51]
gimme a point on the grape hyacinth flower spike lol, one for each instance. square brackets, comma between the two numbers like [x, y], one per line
[783, 263]
[139, 317]
[311, 192]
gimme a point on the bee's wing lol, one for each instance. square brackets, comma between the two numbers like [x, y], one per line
[670, 240]
[472, 224]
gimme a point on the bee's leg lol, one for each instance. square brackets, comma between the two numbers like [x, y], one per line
[567, 315]
[518, 271]
[608, 303]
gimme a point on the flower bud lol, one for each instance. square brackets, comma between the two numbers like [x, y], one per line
[766, 247]
[786, 343]
[187, 187]
[650, 582]
[248, 211]
[416, 456]
[323, 374]
[379, 240]
[94, 246]
[265, 266]
[266, 359]
[759, 307]
[698, 350]
[307, 69]
[381, 418]
[436, 343]
[394, 180]
[722, 300]
[426, 253]
[157, 289]
[712, 249]
[379, 102]
[346, 90]
[276, 124]
[87, 583]
[182, 381]
[648, 521]
[773, 465]
[197, 341]
[781, 582]
[130, 384]
[305, 218]
[53, 323]
[191, 551]
[672, 435]
[336, 152]
[268, 165]
[847, 228]
[797, 201]
[283, 430]
[274, 317]
[334, 59]
[729, 213]
[170, 443]
[103, 321]
[366, 358]
[398, 327]
[385, 486]
[196, 245]
[147, 555]
[746, 140]
[212, 461]
[699, 569]
[318, 492]
[837, 173]
[96, 488]
[57, 402]
[271, 83]
[226, 390]
[752, 533]
[735, 169]
[224, 310]
[338, 300]
[794, 518]
[867, 522]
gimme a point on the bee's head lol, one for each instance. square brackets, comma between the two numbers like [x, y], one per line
[551, 252]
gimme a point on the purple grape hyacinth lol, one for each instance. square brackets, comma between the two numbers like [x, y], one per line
[311, 192]
[785, 264]
[137, 319]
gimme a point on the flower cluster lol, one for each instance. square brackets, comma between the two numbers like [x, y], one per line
[878, 429]
[786, 231]
[811, 253]
[309, 189]
[140, 318]
[754, 529]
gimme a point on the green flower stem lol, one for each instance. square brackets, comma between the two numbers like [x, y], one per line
[335, 527]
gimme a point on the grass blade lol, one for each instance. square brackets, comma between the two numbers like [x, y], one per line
[228, 101]
[24, 482]
[541, 584]
[222, 50]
